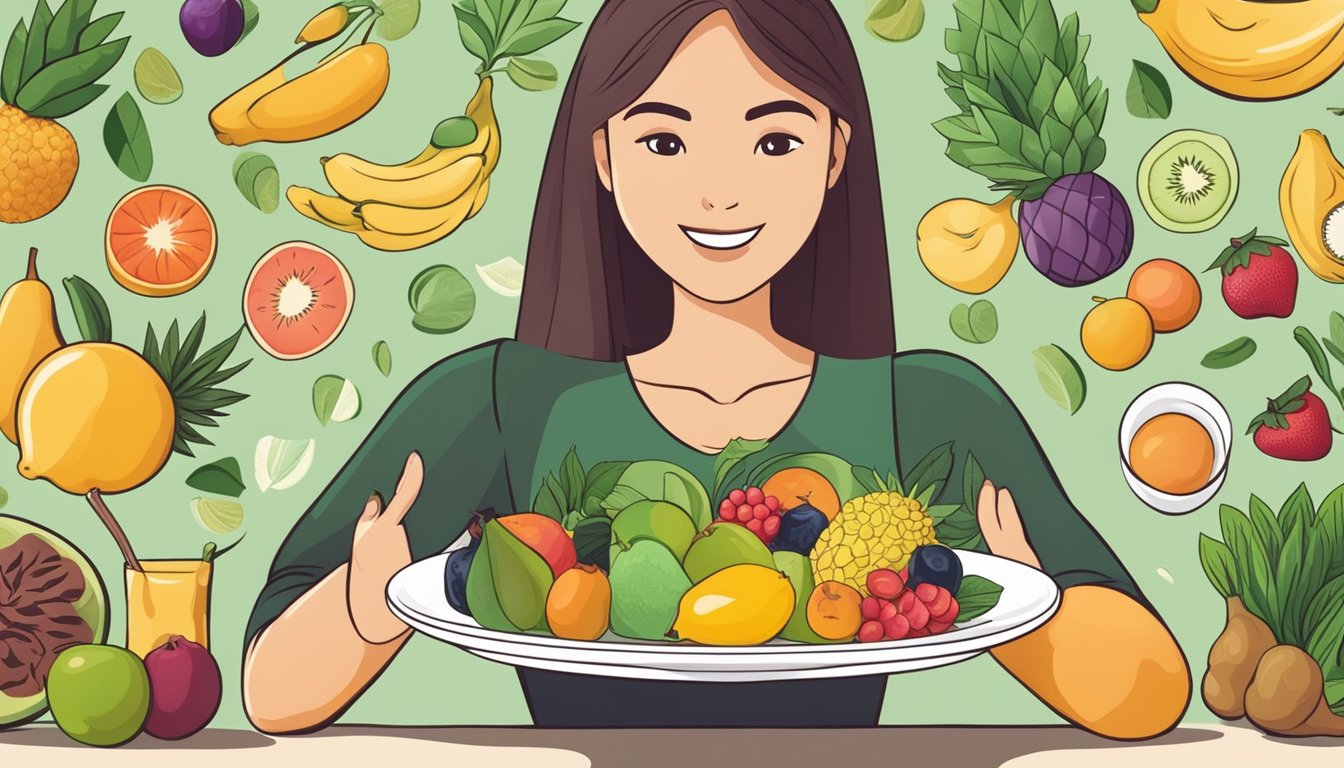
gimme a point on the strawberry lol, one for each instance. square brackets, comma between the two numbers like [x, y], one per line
[1259, 277]
[1295, 426]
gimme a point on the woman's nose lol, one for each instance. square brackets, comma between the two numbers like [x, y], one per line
[710, 205]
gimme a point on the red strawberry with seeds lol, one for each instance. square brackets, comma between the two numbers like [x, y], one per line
[1259, 277]
[1295, 426]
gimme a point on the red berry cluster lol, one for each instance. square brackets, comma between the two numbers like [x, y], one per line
[759, 513]
[892, 612]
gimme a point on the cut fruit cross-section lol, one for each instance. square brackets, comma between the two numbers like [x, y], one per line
[297, 300]
[160, 241]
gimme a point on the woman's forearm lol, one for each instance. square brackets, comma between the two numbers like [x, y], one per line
[1104, 662]
[304, 668]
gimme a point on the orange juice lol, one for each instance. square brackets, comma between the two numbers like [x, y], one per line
[1172, 453]
[170, 597]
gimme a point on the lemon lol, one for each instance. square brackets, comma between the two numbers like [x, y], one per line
[743, 604]
[504, 277]
[218, 515]
[94, 415]
[879, 530]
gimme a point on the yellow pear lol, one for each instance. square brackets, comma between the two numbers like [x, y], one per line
[1311, 199]
[967, 244]
[28, 333]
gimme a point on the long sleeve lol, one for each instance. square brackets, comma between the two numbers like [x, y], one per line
[448, 415]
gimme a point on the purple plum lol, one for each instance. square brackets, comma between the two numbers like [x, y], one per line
[212, 27]
[185, 688]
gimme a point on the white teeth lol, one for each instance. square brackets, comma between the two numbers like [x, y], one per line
[721, 241]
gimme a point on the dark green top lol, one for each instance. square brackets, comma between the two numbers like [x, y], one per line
[491, 421]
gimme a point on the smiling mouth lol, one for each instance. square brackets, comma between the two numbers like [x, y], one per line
[721, 239]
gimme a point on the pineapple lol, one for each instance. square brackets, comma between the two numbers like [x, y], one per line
[49, 70]
[877, 530]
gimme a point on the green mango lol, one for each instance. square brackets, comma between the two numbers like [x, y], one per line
[481, 598]
[661, 481]
[521, 577]
[646, 588]
[660, 521]
[721, 545]
[799, 570]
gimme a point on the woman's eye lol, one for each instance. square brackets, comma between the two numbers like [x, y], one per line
[665, 144]
[777, 144]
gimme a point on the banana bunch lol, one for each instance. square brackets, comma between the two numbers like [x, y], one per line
[412, 204]
[343, 87]
[1250, 49]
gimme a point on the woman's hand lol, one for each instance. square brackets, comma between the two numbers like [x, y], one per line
[381, 549]
[1001, 526]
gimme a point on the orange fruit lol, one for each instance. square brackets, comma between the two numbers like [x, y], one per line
[834, 610]
[1117, 334]
[796, 485]
[160, 241]
[1172, 453]
[578, 603]
[1168, 291]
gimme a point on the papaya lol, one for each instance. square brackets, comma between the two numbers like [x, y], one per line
[1311, 200]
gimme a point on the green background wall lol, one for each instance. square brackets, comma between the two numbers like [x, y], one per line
[432, 79]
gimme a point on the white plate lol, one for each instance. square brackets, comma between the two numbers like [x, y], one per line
[1029, 599]
[1187, 399]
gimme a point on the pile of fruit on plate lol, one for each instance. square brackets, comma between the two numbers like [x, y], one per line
[805, 547]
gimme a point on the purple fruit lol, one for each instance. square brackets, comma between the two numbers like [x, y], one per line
[212, 27]
[1080, 231]
[185, 689]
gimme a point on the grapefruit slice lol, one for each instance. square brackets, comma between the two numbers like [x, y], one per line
[160, 241]
[297, 300]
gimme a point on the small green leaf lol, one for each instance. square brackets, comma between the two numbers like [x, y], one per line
[1060, 377]
[382, 357]
[896, 20]
[454, 132]
[256, 177]
[335, 399]
[976, 597]
[398, 18]
[90, 310]
[4, 497]
[473, 33]
[1218, 565]
[251, 15]
[156, 79]
[1316, 355]
[1337, 329]
[63, 76]
[537, 35]
[736, 450]
[976, 324]
[532, 74]
[1148, 94]
[127, 139]
[931, 472]
[223, 477]
[1232, 353]
[442, 299]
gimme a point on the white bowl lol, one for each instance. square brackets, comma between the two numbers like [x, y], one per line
[1189, 400]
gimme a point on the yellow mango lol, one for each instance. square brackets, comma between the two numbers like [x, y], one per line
[968, 245]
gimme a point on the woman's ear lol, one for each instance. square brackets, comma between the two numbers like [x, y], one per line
[602, 157]
[839, 151]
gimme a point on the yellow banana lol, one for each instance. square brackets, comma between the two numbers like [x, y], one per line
[397, 220]
[328, 23]
[229, 117]
[1250, 49]
[451, 217]
[481, 194]
[337, 92]
[435, 187]
[1311, 199]
[345, 168]
[481, 110]
[324, 209]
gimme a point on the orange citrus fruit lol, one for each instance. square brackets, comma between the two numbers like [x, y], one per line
[160, 241]
[1168, 291]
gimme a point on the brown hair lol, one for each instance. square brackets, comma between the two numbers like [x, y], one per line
[591, 292]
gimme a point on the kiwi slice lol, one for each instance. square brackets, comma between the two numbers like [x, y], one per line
[1188, 181]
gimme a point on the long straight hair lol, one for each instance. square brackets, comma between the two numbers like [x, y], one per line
[591, 292]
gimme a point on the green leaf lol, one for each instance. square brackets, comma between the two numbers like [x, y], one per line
[72, 102]
[572, 479]
[90, 310]
[67, 75]
[1326, 639]
[217, 516]
[1266, 527]
[442, 299]
[621, 496]
[537, 35]
[156, 79]
[223, 477]
[550, 500]
[1060, 377]
[544, 9]
[867, 479]
[599, 483]
[34, 53]
[11, 69]
[976, 597]
[1297, 510]
[399, 17]
[931, 472]
[895, 20]
[251, 15]
[1337, 329]
[1316, 355]
[127, 139]
[736, 450]
[1216, 560]
[972, 480]
[592, 541]
[1232, 353]
[1148, 95]
[382, 357]
[98, 31]
[335, 399]
[255, 175]
[976, 324]
[532, 74]
[474, 34]
[63, 33]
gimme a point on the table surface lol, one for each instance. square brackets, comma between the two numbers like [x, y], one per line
[964, 747]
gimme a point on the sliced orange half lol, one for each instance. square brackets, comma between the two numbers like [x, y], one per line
[160, 241]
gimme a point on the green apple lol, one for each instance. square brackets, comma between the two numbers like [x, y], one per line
[98, 694]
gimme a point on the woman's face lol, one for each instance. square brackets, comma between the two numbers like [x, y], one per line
[720, 167]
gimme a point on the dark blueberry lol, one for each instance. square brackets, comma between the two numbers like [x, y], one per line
[799, 529]
[212, 27]
[937, 565]
[455, 576]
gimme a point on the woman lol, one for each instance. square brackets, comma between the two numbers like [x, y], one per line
[707, 262]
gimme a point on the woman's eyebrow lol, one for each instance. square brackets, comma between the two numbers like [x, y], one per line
[776, 107]
[657, 108]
